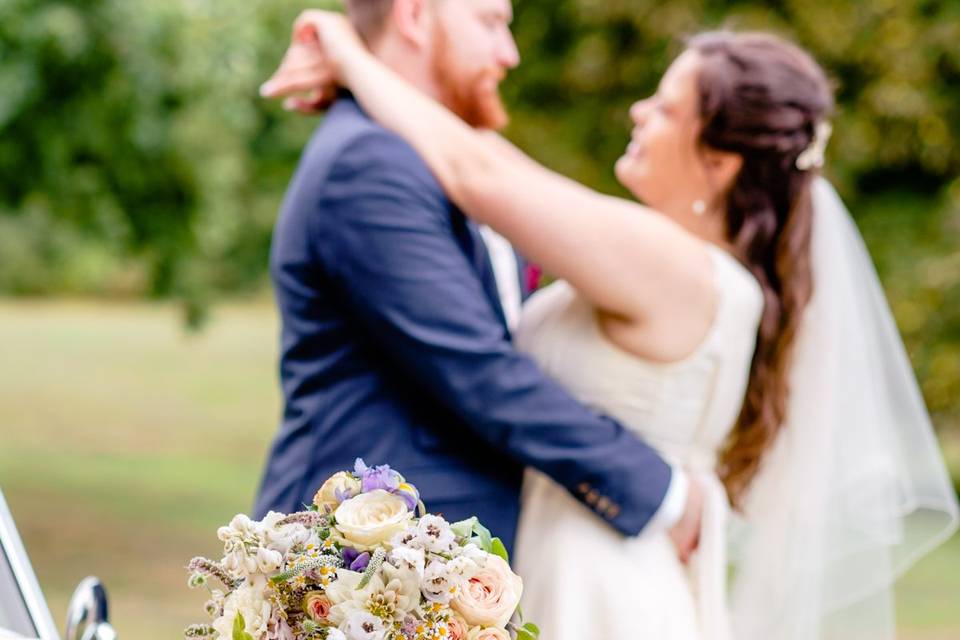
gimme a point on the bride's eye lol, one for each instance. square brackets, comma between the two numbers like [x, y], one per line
[491, 21]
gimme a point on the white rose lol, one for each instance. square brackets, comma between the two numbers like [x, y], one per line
[491, 595]
[343, 482]
[372, 518]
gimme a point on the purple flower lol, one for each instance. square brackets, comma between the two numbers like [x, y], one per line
[355, 560]
[342, 495]
[410, 496]
[349, 555]
[380, 477]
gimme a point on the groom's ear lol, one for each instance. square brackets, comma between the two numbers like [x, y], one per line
[413, 20]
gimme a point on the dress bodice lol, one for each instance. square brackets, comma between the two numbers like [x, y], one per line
[685, 409]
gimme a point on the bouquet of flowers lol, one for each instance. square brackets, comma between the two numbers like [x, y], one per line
[359, 565]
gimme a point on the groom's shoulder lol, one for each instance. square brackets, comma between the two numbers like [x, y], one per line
[351, 145]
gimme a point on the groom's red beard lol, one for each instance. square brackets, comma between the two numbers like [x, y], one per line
[475, 98]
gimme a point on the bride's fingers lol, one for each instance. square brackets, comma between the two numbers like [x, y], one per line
[309, 105]
[302, 56]
[326, 28]
[305, 32]
[309, 26]
[285, 83]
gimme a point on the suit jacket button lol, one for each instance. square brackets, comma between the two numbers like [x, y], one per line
[603, 503]
[592, 497]
[583, 488]
[613, 511]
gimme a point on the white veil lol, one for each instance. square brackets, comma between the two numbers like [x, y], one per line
[854, 491]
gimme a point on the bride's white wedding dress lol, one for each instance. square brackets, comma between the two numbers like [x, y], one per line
[582, 579]
[852, 492]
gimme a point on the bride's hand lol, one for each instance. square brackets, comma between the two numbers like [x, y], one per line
[310, 71]
[686, 533]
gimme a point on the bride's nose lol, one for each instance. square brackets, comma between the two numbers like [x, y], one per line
[638, 111]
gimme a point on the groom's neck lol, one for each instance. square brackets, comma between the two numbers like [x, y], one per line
[413, 65]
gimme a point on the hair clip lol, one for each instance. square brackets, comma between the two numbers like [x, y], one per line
[813, 156]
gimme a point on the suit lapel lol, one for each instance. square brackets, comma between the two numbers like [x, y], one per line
[522, 266]
[476, 249]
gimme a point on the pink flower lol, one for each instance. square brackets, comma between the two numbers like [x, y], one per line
[316, 605]
[532, 274]
[491, 596]
[457, 627]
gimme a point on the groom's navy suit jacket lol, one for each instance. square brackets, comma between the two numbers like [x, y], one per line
[395, 349]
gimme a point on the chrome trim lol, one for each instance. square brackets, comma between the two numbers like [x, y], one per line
[87, 615]
[23, 572]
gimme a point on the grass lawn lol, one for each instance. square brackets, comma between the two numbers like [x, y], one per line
[125, 442]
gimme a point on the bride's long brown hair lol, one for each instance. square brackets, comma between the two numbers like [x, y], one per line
[762, 98]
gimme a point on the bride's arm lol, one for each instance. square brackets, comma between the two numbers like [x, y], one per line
[621, 256]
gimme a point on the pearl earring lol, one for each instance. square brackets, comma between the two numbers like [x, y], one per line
[699, 207]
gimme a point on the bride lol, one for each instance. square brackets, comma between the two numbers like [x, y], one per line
[737, 312]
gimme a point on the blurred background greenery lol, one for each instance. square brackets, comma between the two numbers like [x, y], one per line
[141, 175]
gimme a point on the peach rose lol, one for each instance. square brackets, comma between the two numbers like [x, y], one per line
[316, 606]
[457, 627]
[487, 633]
[491, 596]
[339, 486]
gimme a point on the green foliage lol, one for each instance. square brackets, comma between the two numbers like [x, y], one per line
[497, 548]
[239, 629]
[528, 631]
[135, 155]
[136, 158]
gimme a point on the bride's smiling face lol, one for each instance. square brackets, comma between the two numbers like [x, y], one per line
[665, 165]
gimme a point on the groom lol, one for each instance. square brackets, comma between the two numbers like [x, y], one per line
[396, 313]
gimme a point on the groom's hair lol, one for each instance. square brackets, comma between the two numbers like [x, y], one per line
[369, 17]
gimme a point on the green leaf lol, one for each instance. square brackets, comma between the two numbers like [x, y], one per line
[498, 549]
[486, 540]
[532, 629]
[464, 528]
[239, 629]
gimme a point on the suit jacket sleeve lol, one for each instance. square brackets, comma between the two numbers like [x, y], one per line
[383, 232]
